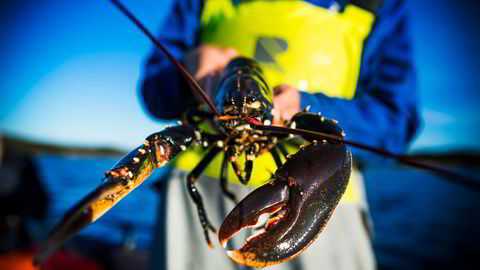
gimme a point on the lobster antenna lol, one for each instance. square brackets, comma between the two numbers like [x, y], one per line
[194, 85]
[403, 159]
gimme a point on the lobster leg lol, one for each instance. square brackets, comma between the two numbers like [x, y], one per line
[244, 175]
[304, 192]
[224, 182]
[282, 149]
[276, 157]
[125, 176]
[195, 195]
[251, 153]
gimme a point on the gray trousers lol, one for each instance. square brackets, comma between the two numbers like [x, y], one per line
[180, 243]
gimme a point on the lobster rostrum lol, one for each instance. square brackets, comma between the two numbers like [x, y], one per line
[300, 196]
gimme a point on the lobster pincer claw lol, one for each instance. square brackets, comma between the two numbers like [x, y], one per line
[302, 196]
[267, 199]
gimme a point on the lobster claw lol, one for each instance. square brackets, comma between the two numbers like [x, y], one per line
[302, 196]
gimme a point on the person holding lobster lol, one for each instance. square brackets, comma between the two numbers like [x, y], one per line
[349, 60]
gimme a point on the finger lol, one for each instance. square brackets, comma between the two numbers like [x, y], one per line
[277, 120]
[281, 88]
[212, 59]
[282, 101]
[211, 64]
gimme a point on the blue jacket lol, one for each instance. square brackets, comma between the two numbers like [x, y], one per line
[383, 113]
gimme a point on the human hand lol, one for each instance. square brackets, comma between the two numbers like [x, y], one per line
[206, 62]
[286, 101]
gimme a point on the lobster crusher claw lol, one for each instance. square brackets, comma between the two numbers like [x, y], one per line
[301, 198]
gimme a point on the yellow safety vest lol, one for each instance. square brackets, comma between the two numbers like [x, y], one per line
[310, 47]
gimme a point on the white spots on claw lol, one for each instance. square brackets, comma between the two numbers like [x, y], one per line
[267, 122]
[334, 121]
[113, 173]
[205, 143]
[198, 135]
[183, 147]
[142, 151]
[162, 150]
[130, 174]
[146, 143]
[322, 118]
[136, 160]
[307, 109]
[324, 141]
[293, 125]
[220, 143]
[257, 147]
[343, 134]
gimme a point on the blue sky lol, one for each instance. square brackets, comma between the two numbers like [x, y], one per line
[74, 66]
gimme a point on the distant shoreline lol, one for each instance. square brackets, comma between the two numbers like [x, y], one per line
[32, 147]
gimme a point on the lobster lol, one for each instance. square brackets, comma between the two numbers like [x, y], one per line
[300, 196]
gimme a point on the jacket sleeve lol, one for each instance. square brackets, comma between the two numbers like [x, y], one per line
[384, 111]
[165, 92]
